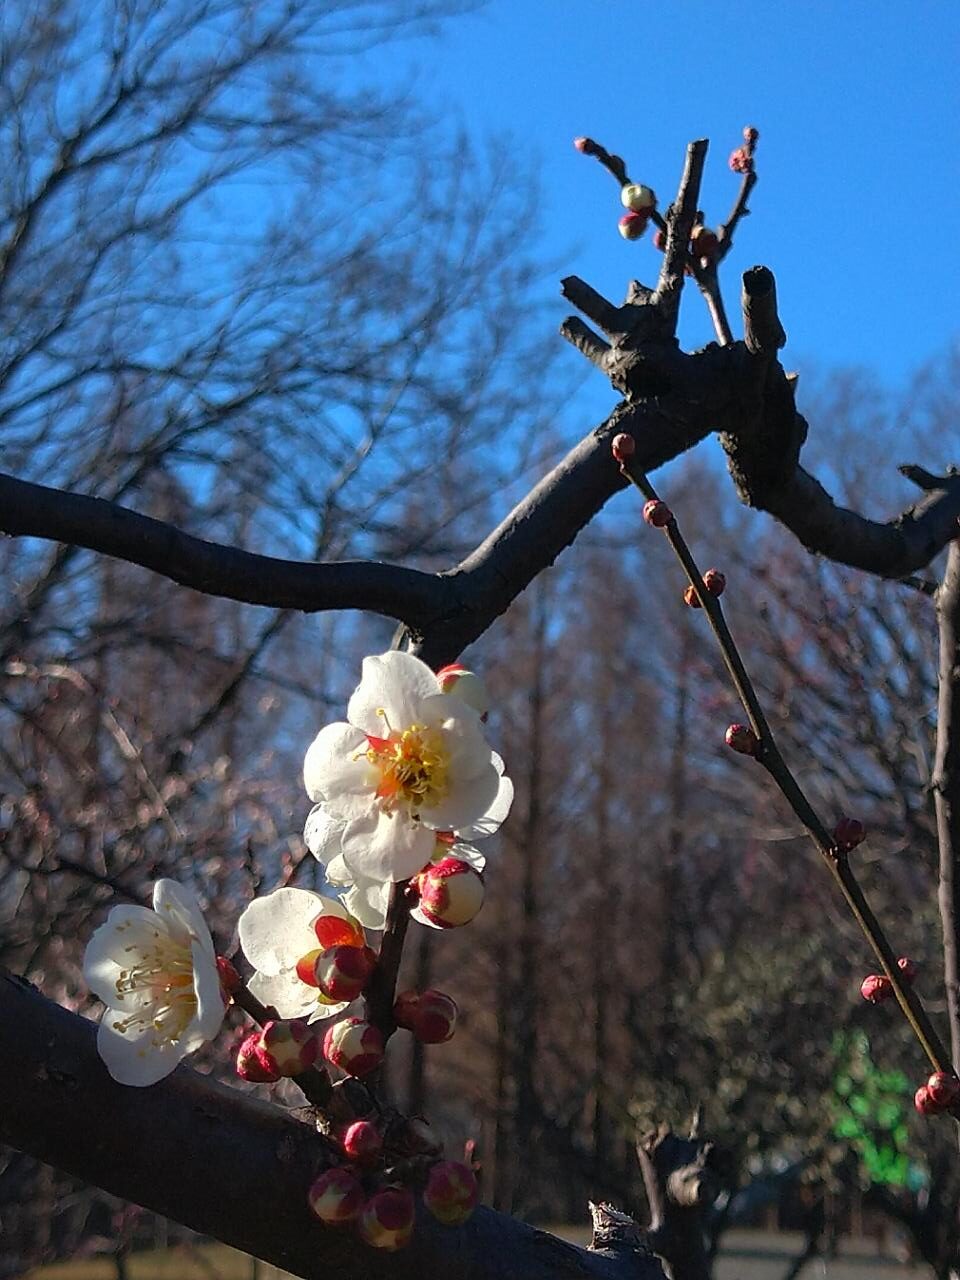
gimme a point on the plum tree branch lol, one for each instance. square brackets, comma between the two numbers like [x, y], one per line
[945, 783]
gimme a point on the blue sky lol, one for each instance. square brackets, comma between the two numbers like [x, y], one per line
[857, 208]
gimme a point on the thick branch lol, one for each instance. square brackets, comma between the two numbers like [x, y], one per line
[226, 1165]
[762, 331]
[681, 1185]
[946, 786]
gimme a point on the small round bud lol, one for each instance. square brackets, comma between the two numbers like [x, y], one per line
[690, 598]
[386, 1221]
[703, 242]
[632, 225]
[750, 134]
[660, 239]
[715, 582]
[336, 1197]
[405, 1008]
[624, 446]
[944, 1089]
[353, 1045]
[341, 973]
[740, 737]
[924, 1103]
[466, 685]
[253, 1064]
[876, 987]
[290, 1045]
[363, 1142]
[657, 513]
[848, 833]
[435, 1019]
[637, 197]
[230, 980]
[907, 968]
[451, 1192]
[451, 894]
[582, 145]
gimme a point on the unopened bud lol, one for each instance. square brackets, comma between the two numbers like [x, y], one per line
[924, 1103]
[253, 1064]
[451, 894]
[740, 737]
[341, 973]
[353, 1045]
[848, 833]
[740, 160]
[336, 1197]
[363, 1142]
[907, 968]
[660, 239]
[435, 1019]
[230, 980]
[691, 598]
[451, 1192]
[657, 513]
[583, 145]
[290, 1045]
[876, 987]
[632, 225]
[703, 242]
[405, 1008]
[637, 197]
[624, 446]
[750, 134]
[466, 685]
[715, 582]
[944, 1089]
[386, 1221]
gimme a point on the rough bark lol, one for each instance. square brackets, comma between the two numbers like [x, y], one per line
[681, 1183]
[165, 1147]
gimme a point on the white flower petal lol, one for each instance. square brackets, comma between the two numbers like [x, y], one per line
[494, 816]
[466, 803]
[275, 931]
[395, 683]
[334, 765]
[136, 1058]
[368, 901]
[210, 1005]
[386, 846]
[468, 854]
[180, 911]
[323, 833]
[290, 997]
[123, 935]
[336, 871]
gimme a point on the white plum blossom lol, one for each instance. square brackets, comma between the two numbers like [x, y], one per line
[410, 761]
[156, 972]
[282, 934]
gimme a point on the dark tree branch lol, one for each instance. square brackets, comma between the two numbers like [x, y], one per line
[165, 1147]
[762, 331]
[586, 341]
[681, 1183]
[680, 221]
[946, 786]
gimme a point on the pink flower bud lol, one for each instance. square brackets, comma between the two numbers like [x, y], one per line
[632, 225]
[435, 1019]
[336, 1196]
[740, 737]
[848, 833]
[703, 242]
[944, 1089]
[230, 980]
[354, 1046]
[253, 1064]
[290, 1045]
[451, 893]
[405, 1008]
[363, 1142]
[451, 1192]
[660, 239]
[386, 1221]
[690, 598]
[466, 685]
[740, 160]
[657, 513]
[624, 446]
[715, 582]
[341, 973]
[583, 145]
[876, 987]
[924, 1103]
[638, 198]
[907, 968]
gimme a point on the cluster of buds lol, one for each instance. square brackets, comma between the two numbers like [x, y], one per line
[430, 1015]
[940, 1093]
[354, 1045]
[741, 160]
[715, 583]
[877, 987]
[450, 893]
[281, 1048]
[640, 201]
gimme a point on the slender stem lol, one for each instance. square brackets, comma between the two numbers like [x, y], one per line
[382, 989]
[768, 754]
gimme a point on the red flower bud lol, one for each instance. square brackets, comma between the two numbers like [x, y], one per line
[363, 1142]
[848, 833]
[703, 242]
[341, 973]
[944, 1089]
[657, 513]
[632, 225]
[230, 980]
[451, 893]
[435, 1019]
[907, 968]
[253, 1064]
[740, 737]
[660, 239]
[924, 1103]
[386, 1221]
[583, 145]
[876, 987]
[336, 1196]
[354, 1046]
[467, 686]
[741, 160]
[451, 1192]
[624, 446]
[715, 582]
[290, 1045]
[405, 1008]
[690, 598]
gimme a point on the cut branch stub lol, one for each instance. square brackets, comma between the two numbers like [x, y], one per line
[682, 1179]
[762, 331]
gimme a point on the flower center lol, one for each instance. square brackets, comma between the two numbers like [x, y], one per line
[165, 971]
[412, 765]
